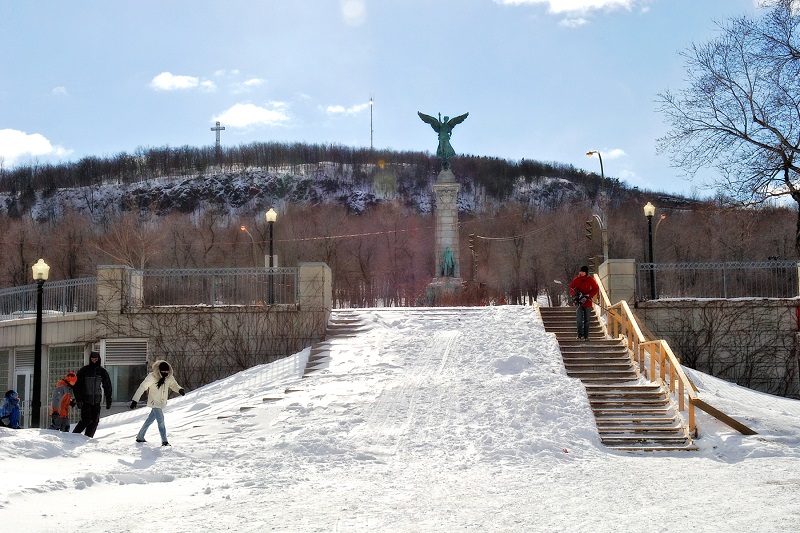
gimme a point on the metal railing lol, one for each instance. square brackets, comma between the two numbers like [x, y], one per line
[732, 279]
[656, 362]
[58, 298]
[214, 287]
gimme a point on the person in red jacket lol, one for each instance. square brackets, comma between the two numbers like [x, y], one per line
[583, 289]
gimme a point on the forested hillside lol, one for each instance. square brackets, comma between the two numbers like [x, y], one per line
[368, 214]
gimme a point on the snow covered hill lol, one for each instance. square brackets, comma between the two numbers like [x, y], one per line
[250, 189]
[446, 419]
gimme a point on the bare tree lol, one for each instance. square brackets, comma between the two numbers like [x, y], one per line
[741, 110]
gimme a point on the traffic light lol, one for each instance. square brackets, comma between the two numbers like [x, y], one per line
[591, 265]
[589, 229]
[471, 241]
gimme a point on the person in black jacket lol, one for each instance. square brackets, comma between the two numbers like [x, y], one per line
[89, 394]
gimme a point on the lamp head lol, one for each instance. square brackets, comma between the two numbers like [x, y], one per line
[41, 270]
[271, 215]
[590, 153]
[649, 210]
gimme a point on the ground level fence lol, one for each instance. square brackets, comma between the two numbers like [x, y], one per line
[214, 287]
[732, 279]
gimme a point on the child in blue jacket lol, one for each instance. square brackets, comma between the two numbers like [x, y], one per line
[9, 410]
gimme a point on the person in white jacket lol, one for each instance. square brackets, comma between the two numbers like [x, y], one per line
[157, 384]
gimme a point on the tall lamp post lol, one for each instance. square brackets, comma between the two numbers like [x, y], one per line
[603, 224]
[41, 271]
[649, 211]
[271, 217]
[253, 241]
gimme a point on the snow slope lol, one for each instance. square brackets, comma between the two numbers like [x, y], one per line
[429, 420]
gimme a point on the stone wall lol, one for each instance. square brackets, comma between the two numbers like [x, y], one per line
[751, 342]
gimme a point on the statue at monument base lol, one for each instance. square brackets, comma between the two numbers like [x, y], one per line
[444, 292]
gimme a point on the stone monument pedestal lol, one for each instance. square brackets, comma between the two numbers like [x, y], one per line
[443, 291]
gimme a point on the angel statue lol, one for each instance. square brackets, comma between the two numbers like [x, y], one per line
[444, 128]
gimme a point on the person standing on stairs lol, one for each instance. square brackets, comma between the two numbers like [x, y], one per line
[583, 290]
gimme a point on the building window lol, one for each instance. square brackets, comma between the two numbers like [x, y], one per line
[125, 379]
[126, 363]
[63, 359]
[4, 366]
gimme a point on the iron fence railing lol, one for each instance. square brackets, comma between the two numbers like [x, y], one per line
[732, 279]
[58, 298]
[213, 287]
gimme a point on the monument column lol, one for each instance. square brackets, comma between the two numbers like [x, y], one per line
[448, 264]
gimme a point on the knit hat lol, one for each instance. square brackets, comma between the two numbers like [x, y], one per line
[585, 269]
[163, 366]
[71, 378]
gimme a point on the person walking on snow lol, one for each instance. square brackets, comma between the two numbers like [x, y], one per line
[93, 383]
[583, 289]
[157, 384]
[61, 402]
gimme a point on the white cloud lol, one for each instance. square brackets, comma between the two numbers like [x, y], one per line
[246, 86]
[573, 22]
[16, 145]
[614, 153]
[578, 6]
[60, 91]
[246, 115]
[166, 81]
[354, 12]
[341, 110]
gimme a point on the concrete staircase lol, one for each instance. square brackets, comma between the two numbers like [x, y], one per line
[631, 414]
[341, 324]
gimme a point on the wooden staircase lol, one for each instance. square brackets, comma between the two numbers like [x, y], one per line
[341, 324]
[631, 414]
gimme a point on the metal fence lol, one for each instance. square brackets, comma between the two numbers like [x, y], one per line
[58, 298]
[734, 279]
[214, 287]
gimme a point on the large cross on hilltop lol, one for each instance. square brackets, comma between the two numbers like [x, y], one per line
[217, 129]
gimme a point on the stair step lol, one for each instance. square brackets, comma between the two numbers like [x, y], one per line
[637, 429]
[618, 375]
[686, 448]
[626, 439]
[643, 386]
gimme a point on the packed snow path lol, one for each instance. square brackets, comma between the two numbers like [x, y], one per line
[428, 420]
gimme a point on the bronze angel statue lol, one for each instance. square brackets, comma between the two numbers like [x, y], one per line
[444, 128]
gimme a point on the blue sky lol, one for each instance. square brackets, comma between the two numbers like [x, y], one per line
[541, 79]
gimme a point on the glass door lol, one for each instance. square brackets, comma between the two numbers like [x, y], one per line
[24, 381]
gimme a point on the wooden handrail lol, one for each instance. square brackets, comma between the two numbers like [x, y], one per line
[657, 362]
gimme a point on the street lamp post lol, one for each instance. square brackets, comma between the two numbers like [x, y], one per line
[649, 211]
[603, 223]
[41, 271]
[253, 241]
[271, 217]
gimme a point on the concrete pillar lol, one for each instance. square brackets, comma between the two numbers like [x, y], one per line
[619, 279]
[314, 285]
[446, 191]
[116, 289]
